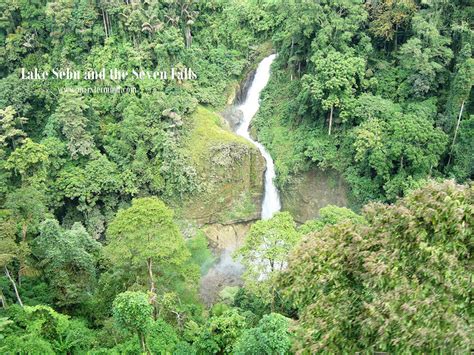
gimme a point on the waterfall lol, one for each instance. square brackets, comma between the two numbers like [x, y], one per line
[227, 271]
[271, 200]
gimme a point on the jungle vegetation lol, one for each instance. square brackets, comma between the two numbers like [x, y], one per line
[93, 257]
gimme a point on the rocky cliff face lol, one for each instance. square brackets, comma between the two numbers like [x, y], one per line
[227, 236]
[312, 190]
[230, 171]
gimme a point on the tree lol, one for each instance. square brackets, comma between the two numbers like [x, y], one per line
[306, 28]
[132, 311]
[265, 251]
[11, 252]
[187, 13]
[25, 208]
[28, 208]
[145, 236]
[10, 135]
[424, 58]
[40, 329]
[459, 92]
[30, 161]
[68, 259]
[399, 283]
[89, 184]
[387, 16]
[271, 336]
[221, 332]
[70, 115]
[463, 160]
[334, 81]
[399, 150]
[59, 12]
[330, 215]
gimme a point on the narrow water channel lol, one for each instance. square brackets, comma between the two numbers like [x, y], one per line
[271, 200]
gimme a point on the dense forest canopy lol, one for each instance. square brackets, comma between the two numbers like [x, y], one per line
[99, 252]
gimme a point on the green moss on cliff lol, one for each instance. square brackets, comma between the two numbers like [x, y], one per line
[230, 171]
[208, 131]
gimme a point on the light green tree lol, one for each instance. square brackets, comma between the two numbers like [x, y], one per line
[28, 208]
[42, 330]
[271, 336]
[387, 17]
[133, 311]
[145, 237]
[30, 161]
[221, 332]
[423, 58]
[10, 134]
[265, 252]
[329, 215]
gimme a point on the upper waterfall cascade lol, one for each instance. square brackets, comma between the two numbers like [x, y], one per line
[271, 201]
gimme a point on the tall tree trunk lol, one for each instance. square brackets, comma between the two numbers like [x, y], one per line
[141, 337]
[456, 133]
[395, 39]
[24, 231]
[272, 305]
[3, 300]
[291, 55]
[188, 36]
[330, 120]
[109, 26]
[9, 276]
[149, 264]
[105, 24]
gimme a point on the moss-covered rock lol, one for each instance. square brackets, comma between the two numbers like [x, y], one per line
[230, 172]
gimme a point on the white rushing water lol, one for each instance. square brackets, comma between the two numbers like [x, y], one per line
[271, 199]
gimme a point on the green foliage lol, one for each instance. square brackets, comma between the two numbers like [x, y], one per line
[10, 135]
[250, 302]
[424, 57]
[68, 259]
[70, 117]
[132, 310]
[334, 80]
[265, 252]
[198, 246]
[145, 231]
[29, 161]
[388, 17]
[330, 215]
[41, 329]
[388, 77]
[144, 241]
[398, 283]
[463, 160]
[221, 332]
[407, 144]
[271, 336]
[28, 208]
[415, 80]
